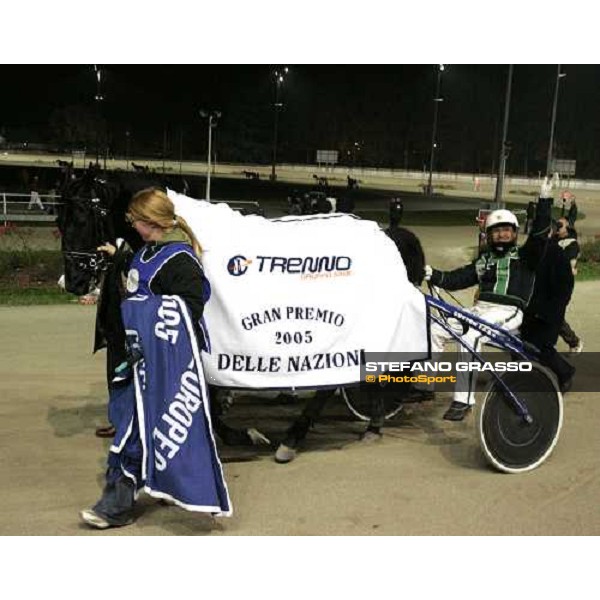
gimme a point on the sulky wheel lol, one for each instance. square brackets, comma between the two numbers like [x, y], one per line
[510, 443]
[365, 401]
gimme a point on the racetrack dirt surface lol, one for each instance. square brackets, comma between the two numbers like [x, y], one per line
[426, 476]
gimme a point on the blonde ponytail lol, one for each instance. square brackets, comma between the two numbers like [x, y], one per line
[196, 247]
[154, 206]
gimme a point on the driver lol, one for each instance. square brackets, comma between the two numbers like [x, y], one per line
[504, 274]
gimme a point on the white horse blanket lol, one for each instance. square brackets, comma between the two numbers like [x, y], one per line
[296, 301]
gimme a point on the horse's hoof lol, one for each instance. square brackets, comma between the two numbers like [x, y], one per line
[368, 437]
[285, 454]
[257, 438]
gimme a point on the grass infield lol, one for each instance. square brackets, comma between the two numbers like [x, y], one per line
[17, 296]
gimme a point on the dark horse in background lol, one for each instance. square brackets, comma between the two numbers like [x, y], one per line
[93, 212]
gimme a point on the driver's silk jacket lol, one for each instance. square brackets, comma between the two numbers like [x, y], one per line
[508, 277]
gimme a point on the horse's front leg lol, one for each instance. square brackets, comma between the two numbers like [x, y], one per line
[377, 402]
[220, 402]
[295, 435]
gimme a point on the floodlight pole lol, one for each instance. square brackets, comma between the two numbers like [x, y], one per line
[180, 149]
[279, 79]
[212, 122]
[164, 147]
[436, 102]
[98, 98]
[504, 147]
[559, 76]
[127, 149]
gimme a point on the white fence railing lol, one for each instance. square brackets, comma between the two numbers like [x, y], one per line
[28, 207]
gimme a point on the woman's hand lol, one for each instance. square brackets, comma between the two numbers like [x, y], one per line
[108, 248]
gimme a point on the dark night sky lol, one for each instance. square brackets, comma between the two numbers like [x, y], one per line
[387, 108]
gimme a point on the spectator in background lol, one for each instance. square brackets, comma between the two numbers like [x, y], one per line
[571, 214]
[51, 204]
[566, 237]
[545, 313]
[396, 212]
[35, 199]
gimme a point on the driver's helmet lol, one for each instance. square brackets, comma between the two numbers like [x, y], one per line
[495, 219]
[501, 217]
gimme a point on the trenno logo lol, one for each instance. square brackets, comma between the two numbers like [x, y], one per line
[303, 264]
[238, 265]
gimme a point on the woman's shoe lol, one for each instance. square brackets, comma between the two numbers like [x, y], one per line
[93, 519]
[108, 431]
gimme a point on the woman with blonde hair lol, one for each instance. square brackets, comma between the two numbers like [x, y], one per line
[169, 261]
[167, 265]
[154, 208]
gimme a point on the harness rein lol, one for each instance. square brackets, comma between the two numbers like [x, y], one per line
[93, 262]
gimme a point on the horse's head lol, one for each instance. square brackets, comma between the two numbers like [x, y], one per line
[410, 249]
[92, 212]
[85, 221]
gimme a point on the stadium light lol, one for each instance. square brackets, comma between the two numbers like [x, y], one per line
[212, 117]
[99, 97]
[280, 75]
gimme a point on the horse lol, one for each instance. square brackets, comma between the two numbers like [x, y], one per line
[411, 251]
[64, 164]
[93, 212]
[321, 181]
[140, 168]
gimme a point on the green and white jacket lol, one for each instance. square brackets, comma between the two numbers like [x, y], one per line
[504, 277]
